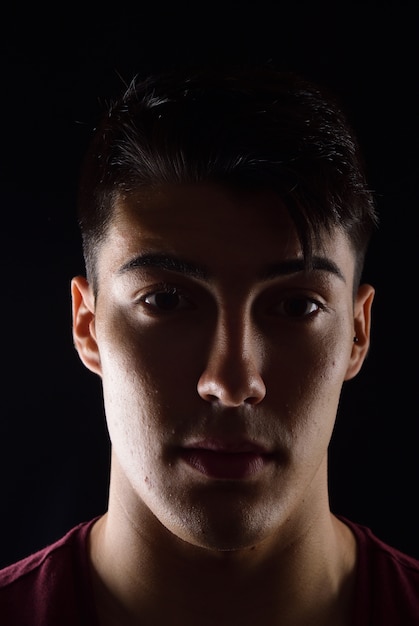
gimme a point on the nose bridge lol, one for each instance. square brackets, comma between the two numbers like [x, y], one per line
[235, 338]
[232, 372]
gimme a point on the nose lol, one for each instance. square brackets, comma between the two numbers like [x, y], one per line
[232, 375]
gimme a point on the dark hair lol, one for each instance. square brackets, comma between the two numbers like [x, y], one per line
[254, 128]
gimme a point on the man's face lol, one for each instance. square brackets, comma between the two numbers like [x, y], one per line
[222, 360]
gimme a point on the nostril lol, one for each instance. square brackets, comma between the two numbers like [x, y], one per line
[255, 399]
[232, 374]
[232, 393]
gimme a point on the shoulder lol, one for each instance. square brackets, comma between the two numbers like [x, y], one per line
[387, 582]
[50, 578]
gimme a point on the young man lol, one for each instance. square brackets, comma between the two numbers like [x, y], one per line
[225, 219]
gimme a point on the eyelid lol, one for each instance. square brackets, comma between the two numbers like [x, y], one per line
[278, 307]
[166, 288]
[158, 287]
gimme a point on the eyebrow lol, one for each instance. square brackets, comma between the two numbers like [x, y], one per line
[166, 262]
[182, 266]
[293, 266]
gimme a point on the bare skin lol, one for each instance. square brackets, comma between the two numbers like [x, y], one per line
[189, 586]
[222, 363]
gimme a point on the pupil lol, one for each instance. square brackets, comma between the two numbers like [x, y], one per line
[167, 301]
[296, 307]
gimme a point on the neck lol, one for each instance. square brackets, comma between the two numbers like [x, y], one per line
[144, 574]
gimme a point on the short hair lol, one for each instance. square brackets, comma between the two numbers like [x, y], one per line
[244, 127]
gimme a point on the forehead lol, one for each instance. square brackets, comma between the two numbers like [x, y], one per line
[207, 224]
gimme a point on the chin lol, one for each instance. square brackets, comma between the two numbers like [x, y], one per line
[223, 540]
[226, 530]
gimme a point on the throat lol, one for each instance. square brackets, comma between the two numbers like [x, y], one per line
[292, 587]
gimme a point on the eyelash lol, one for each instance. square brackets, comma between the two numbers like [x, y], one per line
[166, 290]
[170, 290]
[300, 299]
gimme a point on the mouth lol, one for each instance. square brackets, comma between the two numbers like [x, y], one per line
[223, 461]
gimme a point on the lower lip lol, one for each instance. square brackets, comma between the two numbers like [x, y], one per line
[225, 465]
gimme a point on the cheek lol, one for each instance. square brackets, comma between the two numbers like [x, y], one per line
[131, 395]
[148, 374]
[309, 372]
[330, 363]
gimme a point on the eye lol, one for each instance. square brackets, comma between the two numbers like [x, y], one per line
[166, 299]
[297, 307]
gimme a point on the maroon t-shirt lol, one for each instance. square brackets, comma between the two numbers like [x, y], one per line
[53, 586]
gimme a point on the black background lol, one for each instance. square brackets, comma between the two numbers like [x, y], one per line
[58, 67]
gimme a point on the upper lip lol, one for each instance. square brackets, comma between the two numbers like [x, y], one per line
[228, 446]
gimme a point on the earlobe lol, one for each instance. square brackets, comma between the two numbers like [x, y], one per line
[84, 334]
[362, 329]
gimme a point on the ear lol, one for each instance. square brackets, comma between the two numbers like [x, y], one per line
[84, 333]
[362, 327]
